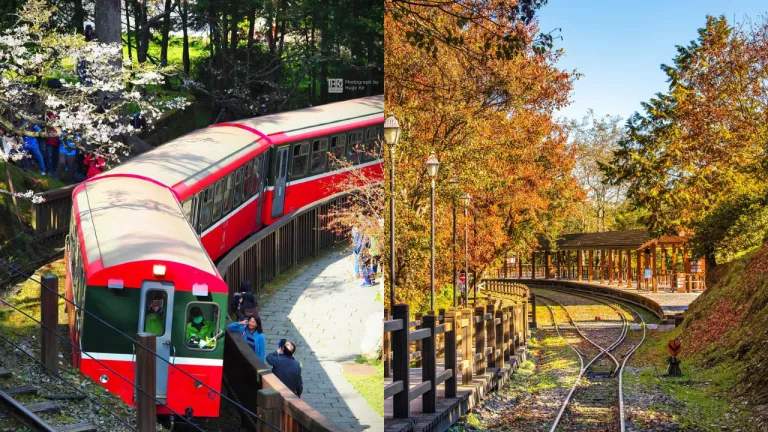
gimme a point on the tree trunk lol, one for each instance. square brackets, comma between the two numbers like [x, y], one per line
[13, 196]
[165, 36]
[128, 31]
[108, 23]
[270, 26]
[325, 43]
[185, 49]
[140, 22]
[79, 16]
[233, 27]
[251, 29]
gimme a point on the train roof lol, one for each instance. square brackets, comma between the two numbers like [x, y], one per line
[126, 219]
[191, 157]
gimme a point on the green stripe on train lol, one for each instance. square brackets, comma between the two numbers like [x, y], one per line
[120, 308]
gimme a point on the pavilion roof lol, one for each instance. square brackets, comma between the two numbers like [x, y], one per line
[625, 239]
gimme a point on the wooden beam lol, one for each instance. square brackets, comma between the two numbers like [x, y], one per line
[629, 268]
[579, 260]
[654, 273]
[591, 265]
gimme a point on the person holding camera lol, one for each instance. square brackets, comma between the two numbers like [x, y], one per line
[285, 367]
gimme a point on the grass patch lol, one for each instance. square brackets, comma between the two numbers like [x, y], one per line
[371, 388]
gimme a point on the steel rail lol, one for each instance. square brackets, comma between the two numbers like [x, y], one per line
[23, 415]
[584, 369]
[622, 419]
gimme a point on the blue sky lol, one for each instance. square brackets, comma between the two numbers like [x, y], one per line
[619, 45]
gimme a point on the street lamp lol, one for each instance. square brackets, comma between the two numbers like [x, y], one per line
[432, 165]
[453, 182]
[391, 136]
[465, 200]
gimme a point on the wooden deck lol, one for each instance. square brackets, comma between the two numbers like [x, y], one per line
[449, 411]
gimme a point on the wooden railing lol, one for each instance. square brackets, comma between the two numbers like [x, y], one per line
[484, 337]
[50, 218]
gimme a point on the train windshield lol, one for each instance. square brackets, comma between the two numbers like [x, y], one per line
[202, 326]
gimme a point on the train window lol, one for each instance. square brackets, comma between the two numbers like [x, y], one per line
[369, 147]
[247, 180]
[187, 206]
[238, 187]
[284, 166]
[354, 146]
[319, 154]
[154, 318]
[228, 189]
[300, 160]
[206, 209]
[218, 198]
[202, 320]
[256, 175]
[338, 145]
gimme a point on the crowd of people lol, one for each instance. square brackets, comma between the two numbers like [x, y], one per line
[54, 156]
[366, 253]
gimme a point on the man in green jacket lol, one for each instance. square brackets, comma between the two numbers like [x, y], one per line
[153, 322]
[200, 333]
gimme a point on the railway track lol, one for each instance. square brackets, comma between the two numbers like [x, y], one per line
[27, 414]
[602, 387]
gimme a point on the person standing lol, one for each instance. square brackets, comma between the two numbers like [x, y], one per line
[250, 329]
[51, 148]
[31, 147]
[286, 368]
[95, 164]
[67, 152]
[356, 239]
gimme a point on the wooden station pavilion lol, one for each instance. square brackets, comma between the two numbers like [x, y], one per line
[622, 257]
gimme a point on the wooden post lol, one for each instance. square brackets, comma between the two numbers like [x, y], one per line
[269, 405]
[467, 343]
[499, 352]
[579, 260]
[547, 264]
[526, 310]
[568, 274]
[440, 345]
[505, 324]
[429, 364]
[387, 354]
[610, 266]
[591, 268]
[519, 266]
[490, 335]
[480, 340]
[533, 306]
[146, 371]
[639, 269]
[49, 316]
[664, 265]
[418, 344]
[654, 274]
[533, 265]
[557, 265]
[401, 403]
[629, 268]
[450, 352]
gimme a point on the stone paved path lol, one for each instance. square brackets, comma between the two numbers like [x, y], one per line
[324, 311]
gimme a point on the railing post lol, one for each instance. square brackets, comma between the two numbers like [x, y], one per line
[429, 364]
[401, 406]
[499, 353]
[269, 405]
[526, 310]
[387, 349]
[466, 347]
[146, 406]
[505, 325]
[450, 352]
[480, 340]
[418, 344]
[490, 335]
[49, 316]
[533, 306]
[440, 346]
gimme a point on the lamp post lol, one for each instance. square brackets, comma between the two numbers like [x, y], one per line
[465, 200]
[391, 136]
[453, 182]
[432, 165]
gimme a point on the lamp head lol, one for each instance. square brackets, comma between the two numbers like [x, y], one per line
[391, 130]
[432, 165]
[465, 199]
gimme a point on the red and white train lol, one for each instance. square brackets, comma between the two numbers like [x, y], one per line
[148, 232]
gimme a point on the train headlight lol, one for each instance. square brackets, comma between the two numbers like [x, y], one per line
[103, 379]
[158, 270]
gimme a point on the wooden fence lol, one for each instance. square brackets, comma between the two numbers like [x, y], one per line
[50, 218]
[483, 337]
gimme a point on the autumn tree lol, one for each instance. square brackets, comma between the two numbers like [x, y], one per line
[696, 158]
[480, 93]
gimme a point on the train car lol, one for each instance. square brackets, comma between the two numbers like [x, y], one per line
[234, 178]
[134, 259]
[144, 236]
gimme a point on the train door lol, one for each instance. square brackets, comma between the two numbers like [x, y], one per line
[260, 165]
[156, 316]
[281, 176]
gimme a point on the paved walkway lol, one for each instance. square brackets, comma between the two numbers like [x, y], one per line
[324, 311]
